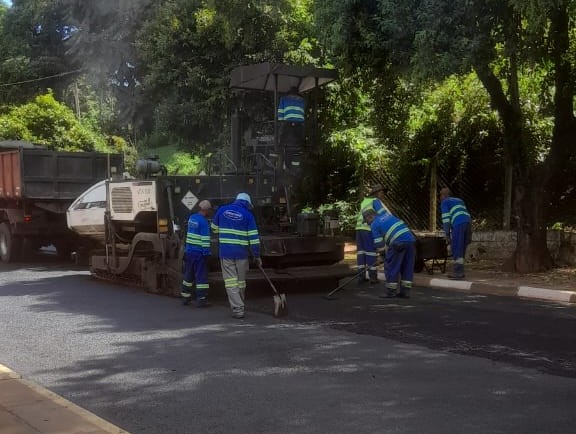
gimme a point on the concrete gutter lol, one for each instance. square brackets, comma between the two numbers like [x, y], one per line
[493, 288]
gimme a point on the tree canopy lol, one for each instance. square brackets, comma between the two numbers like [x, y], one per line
[479, 88]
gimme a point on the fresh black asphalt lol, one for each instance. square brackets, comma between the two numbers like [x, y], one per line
[439, 362]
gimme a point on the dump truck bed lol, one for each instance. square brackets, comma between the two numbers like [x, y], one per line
[52, 175]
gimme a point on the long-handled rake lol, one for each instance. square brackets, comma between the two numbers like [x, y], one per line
[330, 295]
[280, 305]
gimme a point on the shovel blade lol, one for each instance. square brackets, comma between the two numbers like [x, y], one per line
[280, 306]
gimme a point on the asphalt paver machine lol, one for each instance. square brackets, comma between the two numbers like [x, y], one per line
[140, 224]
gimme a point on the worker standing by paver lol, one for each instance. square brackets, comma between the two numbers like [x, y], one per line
[457, 225]
[196, 256]
[238, 240]
[366, 254]
[392, 233]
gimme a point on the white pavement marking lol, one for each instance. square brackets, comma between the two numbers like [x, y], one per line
[456, 284]
[545, 294]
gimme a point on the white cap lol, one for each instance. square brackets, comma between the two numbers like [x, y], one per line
[244, 196]
[205, 204]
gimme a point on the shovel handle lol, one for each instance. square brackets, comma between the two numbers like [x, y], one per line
[268, 279]
[346, 283]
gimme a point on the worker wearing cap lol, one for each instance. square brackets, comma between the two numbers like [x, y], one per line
[391, 232]
[366, 254]
[196, 255]
[238, 240]
[457, 225]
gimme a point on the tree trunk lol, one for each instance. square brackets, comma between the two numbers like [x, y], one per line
[531, 252]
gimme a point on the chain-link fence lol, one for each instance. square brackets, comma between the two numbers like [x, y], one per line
[413, 196]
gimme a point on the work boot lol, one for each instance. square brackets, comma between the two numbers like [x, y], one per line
[362, 278]
[186, 301]
[373, 278]
[458, 272]
[238, 315]
[203, 303]
[390, 292]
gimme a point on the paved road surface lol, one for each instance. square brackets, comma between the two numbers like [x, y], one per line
[359, 364]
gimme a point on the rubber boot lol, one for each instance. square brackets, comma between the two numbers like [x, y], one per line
[458, 272]
[404, 293]
[404, 289]
[390, 291]
[186, 295]
[362, 277]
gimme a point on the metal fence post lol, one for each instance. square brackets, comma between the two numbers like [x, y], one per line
[433, 197]
[507, 198]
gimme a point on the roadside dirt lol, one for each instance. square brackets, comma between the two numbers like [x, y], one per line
[563, 278]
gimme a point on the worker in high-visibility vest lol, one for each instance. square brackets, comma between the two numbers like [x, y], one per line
[394, 239]
[365, 250]
[291, 117]
[457, 225]
[197, 251]
[238, 241]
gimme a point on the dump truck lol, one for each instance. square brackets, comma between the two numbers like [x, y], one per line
[37, 186]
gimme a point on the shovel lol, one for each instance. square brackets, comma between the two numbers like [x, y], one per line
[280, 306]
[330, 296]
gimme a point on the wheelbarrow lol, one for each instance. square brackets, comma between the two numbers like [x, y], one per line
[431, 253]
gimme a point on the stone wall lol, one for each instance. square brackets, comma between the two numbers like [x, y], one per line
[499, 245]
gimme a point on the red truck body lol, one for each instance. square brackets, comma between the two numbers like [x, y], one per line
[36, 188]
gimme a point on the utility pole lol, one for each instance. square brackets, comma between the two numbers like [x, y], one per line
[77, 99]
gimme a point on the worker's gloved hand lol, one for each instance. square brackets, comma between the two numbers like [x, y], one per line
[258, 262]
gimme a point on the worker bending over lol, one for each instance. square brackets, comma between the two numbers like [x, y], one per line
[392, 234]
[366, 254]
[457, 225]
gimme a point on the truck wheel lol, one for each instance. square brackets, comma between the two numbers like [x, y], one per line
[10, 246]
[64, 250]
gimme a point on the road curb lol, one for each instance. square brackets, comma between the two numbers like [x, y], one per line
[522, 291]
[36, 395]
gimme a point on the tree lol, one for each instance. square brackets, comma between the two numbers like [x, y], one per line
[47, 122]
[33, 35]
[189, 47]
[497, 40]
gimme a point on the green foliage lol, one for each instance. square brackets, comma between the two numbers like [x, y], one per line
[344, 211]
[190, 47]
[32, 50]
[48, 122]
[119, 145]
[182, 163]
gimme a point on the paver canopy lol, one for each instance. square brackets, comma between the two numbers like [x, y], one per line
[279, 77]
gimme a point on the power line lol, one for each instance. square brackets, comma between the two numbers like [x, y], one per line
[33, 80]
